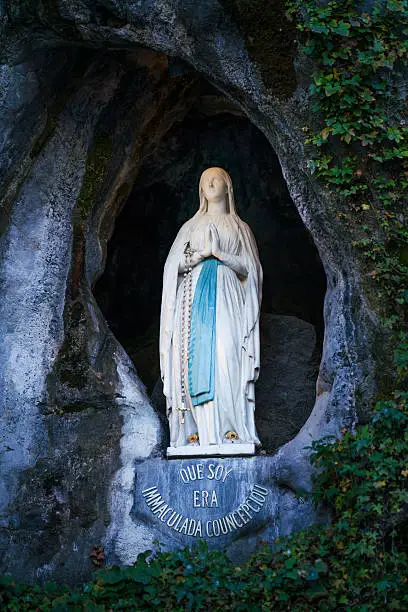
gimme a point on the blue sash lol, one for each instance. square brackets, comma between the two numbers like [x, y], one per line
[201, 360]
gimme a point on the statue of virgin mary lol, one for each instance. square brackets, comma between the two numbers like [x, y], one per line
[209, 327]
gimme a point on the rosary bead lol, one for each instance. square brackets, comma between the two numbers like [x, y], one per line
[185, 325]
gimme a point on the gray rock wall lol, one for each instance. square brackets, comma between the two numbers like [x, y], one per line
[286, 388]
[44, 475]
[35, 255]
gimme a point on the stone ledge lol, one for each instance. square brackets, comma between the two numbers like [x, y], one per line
[212, 450]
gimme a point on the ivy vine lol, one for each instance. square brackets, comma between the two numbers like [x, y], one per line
[360, 150]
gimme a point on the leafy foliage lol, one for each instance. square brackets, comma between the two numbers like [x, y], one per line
[360, 149]
[359, 561]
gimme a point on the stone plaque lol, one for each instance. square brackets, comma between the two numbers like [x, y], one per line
[226, 501]
[213, 499]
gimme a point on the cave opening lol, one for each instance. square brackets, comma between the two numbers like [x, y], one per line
[215, 132]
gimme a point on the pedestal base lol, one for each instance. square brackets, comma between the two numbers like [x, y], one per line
[235, 504]
[211, 450]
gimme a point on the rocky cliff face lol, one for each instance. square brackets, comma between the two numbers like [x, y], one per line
[88, 92]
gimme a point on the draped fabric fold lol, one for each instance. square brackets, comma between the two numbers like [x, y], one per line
[202, 335]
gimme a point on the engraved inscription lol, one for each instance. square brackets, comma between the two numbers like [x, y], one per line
[217, 527]
[200, 472]
[205, 499]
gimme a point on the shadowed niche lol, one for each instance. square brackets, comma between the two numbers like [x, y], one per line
[165, 195]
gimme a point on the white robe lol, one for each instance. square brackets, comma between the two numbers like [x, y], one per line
[237, 335]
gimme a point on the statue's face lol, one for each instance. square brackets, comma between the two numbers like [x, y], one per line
[213, 185]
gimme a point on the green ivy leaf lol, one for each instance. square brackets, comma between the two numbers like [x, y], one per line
[319, 28]
[342, 28]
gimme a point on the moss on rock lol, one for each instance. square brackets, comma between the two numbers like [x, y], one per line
[269, 39]
[96, 164]
[72, 369]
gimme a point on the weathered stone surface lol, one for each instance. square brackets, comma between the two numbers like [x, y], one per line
[35, 265]
[32, 95]
[46, 266]
[35, 255]
[60, 508]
